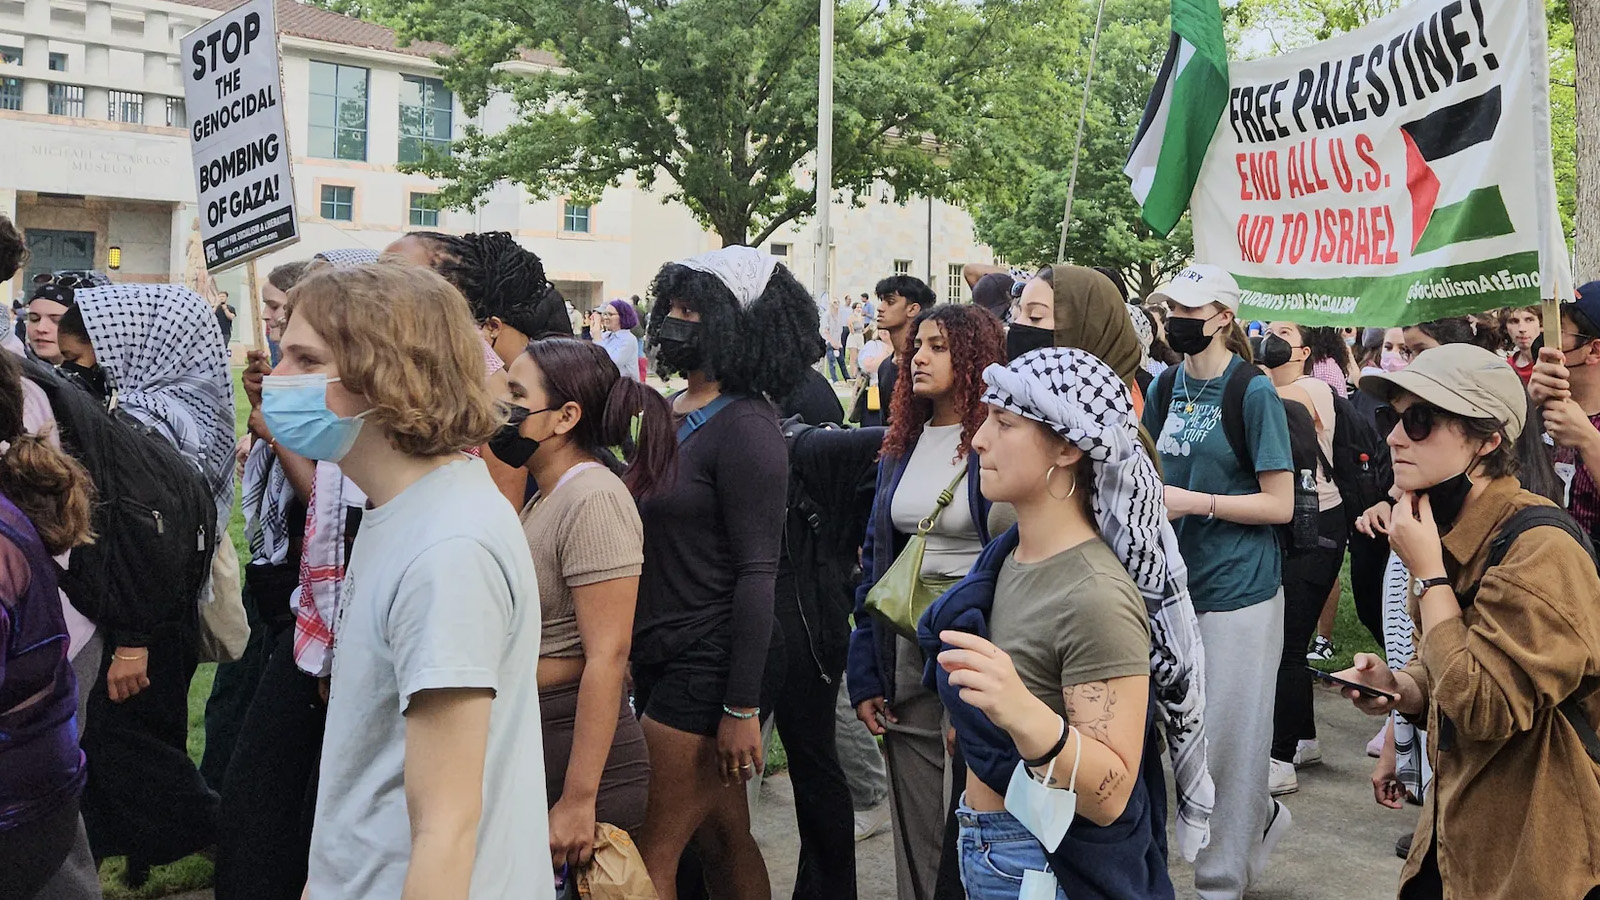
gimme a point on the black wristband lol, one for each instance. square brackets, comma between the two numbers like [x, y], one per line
[1061, 744]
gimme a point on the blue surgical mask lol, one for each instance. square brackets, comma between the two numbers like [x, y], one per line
[295, 408]
[1045, 811]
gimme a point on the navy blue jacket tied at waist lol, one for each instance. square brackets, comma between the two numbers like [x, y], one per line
[870, 668]
[1126, 860]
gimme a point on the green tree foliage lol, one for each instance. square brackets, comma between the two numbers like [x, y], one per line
[1021, 216]
[714, 102]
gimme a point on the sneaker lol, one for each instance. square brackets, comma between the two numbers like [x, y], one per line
[872, 821]
[1308, 753]
[1402, 847]
[1281, 778]
[1375, 746]
[1277, 827]
[1322, 650]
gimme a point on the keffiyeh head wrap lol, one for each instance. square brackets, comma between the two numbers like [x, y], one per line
[1142, 331]
[348, 258]
[162, 350]
[744, 270]
[1080, 398]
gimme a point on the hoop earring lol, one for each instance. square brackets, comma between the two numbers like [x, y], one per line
[1070, 491]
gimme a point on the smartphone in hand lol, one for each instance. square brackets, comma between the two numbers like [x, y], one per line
[1364, 690]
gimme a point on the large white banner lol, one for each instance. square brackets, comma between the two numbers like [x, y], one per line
[1386, 176]
[233, 92]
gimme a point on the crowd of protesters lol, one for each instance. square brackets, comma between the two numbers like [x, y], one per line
[510, 622]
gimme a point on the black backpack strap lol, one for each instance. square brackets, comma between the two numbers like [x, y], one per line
[1233, 414]
[1161, 396]
[1520, 521]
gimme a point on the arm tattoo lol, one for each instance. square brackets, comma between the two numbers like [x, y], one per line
[1090, 709]
[1109, 785]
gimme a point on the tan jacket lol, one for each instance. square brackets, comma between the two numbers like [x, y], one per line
[1515, 802]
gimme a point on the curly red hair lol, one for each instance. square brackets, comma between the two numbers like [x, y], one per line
[976, 340]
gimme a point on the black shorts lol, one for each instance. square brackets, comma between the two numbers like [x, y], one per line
[687, 691]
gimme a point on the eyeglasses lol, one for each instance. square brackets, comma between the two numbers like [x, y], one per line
[68, 282]
[1419, 420]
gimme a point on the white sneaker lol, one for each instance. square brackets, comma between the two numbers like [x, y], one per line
[1277, 827]
[1308, 753]
[1375, 746]
[1281, 778]
[872, 821]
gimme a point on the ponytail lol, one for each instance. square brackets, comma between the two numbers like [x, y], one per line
[50, 487]
[1237, 341]
[638, 421]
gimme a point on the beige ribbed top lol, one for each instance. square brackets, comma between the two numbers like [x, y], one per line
[587, 531]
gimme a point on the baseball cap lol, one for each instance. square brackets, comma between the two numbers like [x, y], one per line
[1584, 309]
[1200, 284]
[1463, 379]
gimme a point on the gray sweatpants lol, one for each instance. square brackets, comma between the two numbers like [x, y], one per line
[919, 777]
[859, 756]
[1243, 649]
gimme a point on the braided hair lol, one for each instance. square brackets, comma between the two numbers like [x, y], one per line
[500, 278]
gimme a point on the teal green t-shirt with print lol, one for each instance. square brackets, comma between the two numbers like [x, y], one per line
[1231, 566]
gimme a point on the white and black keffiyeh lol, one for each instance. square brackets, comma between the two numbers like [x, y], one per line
[1080, 398]
[266, 496]
[1141, 330]
[162, 352]
[745, 270]
[348, 258]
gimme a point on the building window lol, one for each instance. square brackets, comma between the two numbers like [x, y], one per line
[65, 100]
[11, 56]
[902, 267]
[177, 116]
[10, 88]
[338, 111]
[425, 115]
[126, 106]
[954, 283]
[781, 251]
[575, 217]
[424, 211]
[58, 62]
[338, 203]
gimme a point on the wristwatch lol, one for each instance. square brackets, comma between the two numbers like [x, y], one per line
[1420, 586]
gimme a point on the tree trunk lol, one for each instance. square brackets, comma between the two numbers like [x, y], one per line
[1144, 281]
[1586, 35]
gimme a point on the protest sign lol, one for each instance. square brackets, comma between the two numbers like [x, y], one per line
[1386, 176]
[233, 92]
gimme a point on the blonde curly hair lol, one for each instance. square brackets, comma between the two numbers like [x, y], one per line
[404, 340]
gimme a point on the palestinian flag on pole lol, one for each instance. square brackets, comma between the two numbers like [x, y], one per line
[1442, 143]
[1185, 107]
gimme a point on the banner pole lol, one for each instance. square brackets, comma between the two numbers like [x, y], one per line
[1555, 280]
[258, 334]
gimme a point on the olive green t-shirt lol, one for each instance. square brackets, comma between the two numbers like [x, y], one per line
[1071, 619]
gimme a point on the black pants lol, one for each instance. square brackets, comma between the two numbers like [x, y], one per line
[823, 812]
[31, 853]
[144, 797]
[231, 692]
[1308, 576]
[1369, 557]
[269, 793]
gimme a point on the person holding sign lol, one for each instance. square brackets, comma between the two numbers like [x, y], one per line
[1507, 666]
[1566, 386]
[1224, 443]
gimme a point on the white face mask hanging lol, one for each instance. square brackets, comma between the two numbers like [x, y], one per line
[1045, 811]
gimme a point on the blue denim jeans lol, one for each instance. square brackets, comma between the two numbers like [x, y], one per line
[995, 852]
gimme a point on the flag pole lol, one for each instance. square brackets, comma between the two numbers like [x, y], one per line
[1077, 148]
[1555, 279]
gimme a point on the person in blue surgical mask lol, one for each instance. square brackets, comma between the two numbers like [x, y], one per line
[432, 773]
[1054, 709]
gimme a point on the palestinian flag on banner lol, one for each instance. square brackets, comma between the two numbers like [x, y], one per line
[1184, 109]
[1441, 162]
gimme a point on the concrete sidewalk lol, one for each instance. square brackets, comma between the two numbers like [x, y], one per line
[1341, 845]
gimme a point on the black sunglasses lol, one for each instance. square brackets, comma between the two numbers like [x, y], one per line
[69, 282]
[1419, 420]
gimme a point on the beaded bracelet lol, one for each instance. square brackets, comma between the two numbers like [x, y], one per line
[743, 717]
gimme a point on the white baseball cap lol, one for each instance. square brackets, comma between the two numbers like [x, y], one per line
[1200, 284]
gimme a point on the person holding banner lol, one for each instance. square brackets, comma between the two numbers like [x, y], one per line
[1507, 663]
[1566, 386]
[1224, 445]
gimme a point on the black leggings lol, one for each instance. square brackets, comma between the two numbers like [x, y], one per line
[1369, 558]
[1308, 576]
[31, 853]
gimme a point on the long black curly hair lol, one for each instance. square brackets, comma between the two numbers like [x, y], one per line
[500, 278]
[764, 347]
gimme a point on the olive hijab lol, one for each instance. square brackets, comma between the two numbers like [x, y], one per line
[1092, 316]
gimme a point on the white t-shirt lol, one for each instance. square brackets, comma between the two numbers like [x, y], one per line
[440, 592]
[953, 544]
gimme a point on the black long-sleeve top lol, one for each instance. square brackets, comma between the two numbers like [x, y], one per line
[711, 546]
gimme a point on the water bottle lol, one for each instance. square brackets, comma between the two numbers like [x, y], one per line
[1304, 527]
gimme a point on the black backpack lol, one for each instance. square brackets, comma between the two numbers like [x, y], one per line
[154, 518]
[1521, 521]
[1361, 464]
[1233, 391]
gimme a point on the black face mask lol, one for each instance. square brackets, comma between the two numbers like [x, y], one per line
[678, 345]
[1275, 351]
[1188, 336]
[90, 378]
[1446, 498]
[508, 445]
[1021, 339]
